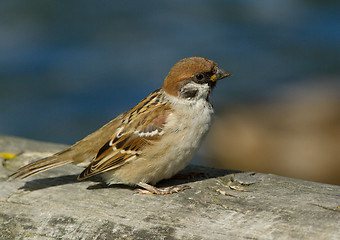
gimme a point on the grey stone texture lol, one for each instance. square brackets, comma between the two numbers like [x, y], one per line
[221, 204]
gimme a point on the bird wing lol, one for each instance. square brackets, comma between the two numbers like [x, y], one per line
[142, 125]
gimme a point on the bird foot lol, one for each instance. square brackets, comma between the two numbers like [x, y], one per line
[149, 189]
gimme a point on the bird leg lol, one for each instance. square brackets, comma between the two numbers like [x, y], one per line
[149, 189]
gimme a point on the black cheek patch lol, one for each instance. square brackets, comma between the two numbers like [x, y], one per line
[189, 93]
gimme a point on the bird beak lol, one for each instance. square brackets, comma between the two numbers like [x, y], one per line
[220, 73]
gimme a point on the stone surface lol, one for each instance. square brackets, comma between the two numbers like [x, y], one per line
[221, 205]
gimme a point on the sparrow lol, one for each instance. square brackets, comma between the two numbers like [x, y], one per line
[152, 141]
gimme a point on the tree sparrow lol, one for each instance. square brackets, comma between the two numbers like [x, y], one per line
[152, 141]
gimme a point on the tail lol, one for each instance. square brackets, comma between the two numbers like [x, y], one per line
[81, 153]
[40, 166]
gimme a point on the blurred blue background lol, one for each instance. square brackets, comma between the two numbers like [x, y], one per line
[68, 67]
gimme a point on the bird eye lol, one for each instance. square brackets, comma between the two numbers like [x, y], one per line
[199, 76]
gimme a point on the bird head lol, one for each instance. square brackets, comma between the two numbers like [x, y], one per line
[193, 78]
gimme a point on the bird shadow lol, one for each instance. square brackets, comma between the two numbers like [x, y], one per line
[192, 173]
[42, 183]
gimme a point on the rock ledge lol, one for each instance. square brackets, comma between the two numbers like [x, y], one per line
[221, 205]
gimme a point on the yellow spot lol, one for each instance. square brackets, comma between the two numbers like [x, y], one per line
[216, 199]
[213, 78]
[7, 155]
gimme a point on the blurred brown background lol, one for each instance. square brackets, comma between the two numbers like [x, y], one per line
[294, 134]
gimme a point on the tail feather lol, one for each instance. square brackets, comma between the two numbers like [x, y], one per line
[39, 166]
[81, 153]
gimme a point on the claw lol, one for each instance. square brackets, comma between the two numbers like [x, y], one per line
[149, 189]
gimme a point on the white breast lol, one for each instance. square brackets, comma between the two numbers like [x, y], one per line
[185, 129]
[183, 134]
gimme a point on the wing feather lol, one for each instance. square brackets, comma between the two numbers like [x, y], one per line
[141, 126]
